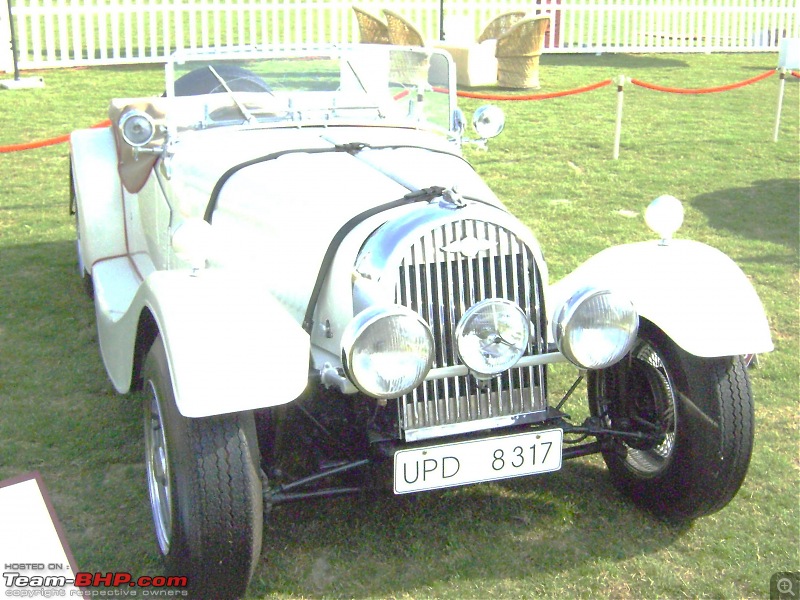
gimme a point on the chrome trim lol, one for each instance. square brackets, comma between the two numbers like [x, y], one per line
[426, 433]
[525, 361]
[383, 251]
[405, 256]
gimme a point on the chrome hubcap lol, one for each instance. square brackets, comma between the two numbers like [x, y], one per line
[158, 473]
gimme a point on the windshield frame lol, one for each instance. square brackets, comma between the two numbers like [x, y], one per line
[369, 90]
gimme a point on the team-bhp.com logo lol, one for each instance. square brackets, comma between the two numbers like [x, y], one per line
[113, 584]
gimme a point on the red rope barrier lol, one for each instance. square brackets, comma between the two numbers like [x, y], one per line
[48, 142]
[544, 96]
[478, 96]
[722, 88]
[796, 74]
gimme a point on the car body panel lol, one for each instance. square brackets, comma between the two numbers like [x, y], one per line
[694, 293]
[98, 193]
[219, 331]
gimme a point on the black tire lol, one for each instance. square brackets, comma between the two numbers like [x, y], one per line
[703, 410]
[86, 279]
[204, 482]
[202, 81]
[83, 273]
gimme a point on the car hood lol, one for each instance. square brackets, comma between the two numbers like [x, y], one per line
[283, 194]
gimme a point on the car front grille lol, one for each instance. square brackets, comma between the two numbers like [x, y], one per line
[442, 274]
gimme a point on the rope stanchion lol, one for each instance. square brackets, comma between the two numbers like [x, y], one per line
[48, 142]
[711, 90]
[779, 109]
[620, 81]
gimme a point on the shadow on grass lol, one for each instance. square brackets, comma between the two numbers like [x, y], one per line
[745, 212]
[619, 61]
[473, 537]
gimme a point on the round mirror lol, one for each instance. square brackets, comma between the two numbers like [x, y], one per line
[488, 121]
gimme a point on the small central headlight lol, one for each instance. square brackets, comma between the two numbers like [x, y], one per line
[596, 328]
[387, 351]
[492, 336]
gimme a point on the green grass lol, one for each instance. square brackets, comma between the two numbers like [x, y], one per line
[560, 535]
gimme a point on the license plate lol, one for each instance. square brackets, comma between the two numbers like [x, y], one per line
[461, 463]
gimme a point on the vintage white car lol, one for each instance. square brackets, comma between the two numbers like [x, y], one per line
[316, 294]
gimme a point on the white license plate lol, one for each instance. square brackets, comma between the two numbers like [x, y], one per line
[435, 467]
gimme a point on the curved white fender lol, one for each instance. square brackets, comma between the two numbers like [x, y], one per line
[98, 193]
[694, 293]
[230, 345]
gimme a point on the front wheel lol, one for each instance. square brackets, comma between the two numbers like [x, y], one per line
[205, 489]
[694, 418]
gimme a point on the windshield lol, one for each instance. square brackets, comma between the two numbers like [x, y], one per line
[365, 84]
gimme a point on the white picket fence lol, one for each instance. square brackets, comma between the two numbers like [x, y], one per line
[54, 33]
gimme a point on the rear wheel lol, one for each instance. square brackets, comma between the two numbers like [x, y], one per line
[83, 273]
[695, 417]
[205, 489]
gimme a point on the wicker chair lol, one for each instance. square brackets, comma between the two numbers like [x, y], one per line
[401, 32]
[406, 67]
[518, 53]
[370, 28]
[500, 25]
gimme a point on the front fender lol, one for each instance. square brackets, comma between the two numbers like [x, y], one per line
[230, 345]
[694, 293]
[98, 195]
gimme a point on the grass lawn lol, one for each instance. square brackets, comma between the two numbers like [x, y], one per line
[560, 535]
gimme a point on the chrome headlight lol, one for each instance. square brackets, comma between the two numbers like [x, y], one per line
[387, 351]
[596, 328]
[137, 128]
[492, 336]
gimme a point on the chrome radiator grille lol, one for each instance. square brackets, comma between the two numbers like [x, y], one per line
[444, 273]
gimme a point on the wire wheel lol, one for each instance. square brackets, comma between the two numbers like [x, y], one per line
[688, 425]
[654, 410]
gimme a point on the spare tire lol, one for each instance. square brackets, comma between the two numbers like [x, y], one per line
[202, 81]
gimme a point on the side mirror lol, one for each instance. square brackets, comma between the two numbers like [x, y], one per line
[488, 122]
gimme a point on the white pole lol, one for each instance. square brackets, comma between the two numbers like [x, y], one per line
[620, 81]
[781, 89]
[6, 55]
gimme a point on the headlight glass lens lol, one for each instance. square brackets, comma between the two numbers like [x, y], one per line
[137, 128]
[596, 328]
[387, 351]
[492, 336]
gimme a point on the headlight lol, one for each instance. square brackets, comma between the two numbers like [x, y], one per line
[137, 128]
[387, 351]
[492, 336]
[596, 328]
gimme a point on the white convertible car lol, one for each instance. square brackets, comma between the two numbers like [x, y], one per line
[315, 294]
